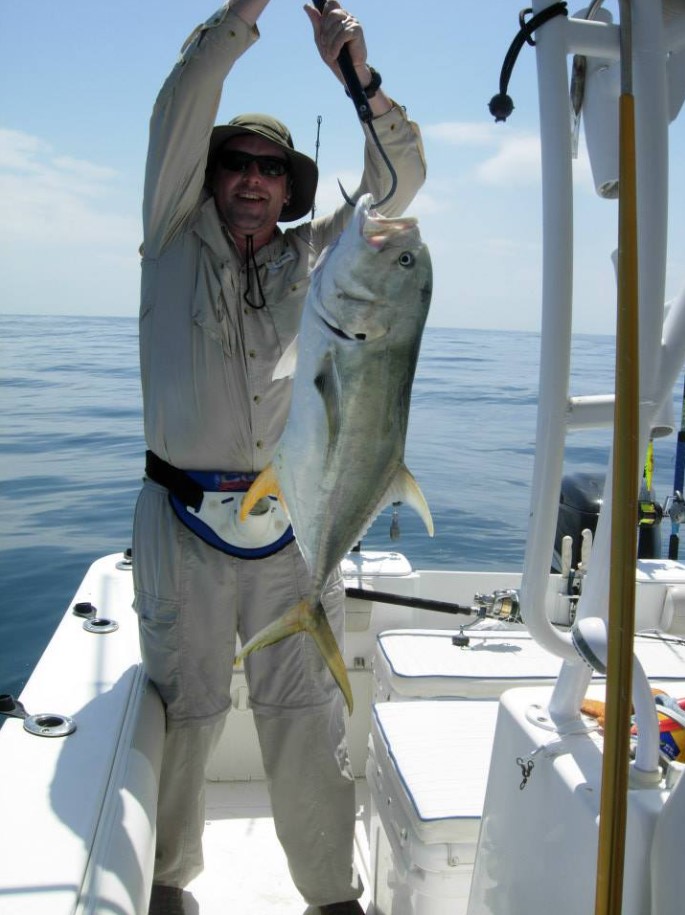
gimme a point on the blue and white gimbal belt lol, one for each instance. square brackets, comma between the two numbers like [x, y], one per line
[208, 503]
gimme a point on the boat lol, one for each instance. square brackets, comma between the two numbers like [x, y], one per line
[517, 739]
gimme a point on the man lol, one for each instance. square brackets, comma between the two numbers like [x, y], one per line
[222, 292]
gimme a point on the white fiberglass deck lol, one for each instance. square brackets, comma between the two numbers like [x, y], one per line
[245, 867]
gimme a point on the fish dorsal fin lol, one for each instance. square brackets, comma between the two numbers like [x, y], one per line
[404, 488]
[285, 367]
[327, 383]
[266, 484]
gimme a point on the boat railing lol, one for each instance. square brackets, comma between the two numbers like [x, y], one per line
[661, 336]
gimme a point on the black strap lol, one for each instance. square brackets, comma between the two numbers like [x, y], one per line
[175, 480]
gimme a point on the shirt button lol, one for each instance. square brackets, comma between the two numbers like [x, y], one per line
[251, 353]
[259, 443]
[256, 398]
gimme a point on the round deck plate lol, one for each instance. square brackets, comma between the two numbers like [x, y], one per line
[47, 724]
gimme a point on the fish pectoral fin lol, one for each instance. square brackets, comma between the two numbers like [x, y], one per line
[285, 367]
[266, 484]
[404, 488]
[303, 617]
[327, 383]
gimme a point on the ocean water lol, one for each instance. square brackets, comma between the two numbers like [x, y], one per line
[72, 454]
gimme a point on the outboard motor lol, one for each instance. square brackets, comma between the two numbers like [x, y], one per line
[579, 505]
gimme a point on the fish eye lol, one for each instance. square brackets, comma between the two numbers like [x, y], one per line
[406, 259]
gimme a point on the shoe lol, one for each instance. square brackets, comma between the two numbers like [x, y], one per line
[351, 907]
[166, 900]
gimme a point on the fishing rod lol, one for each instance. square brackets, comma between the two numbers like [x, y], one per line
[650, 511]
[613, 812]
[500, 605]
[418, 603]
[363, 109]
[676, 509]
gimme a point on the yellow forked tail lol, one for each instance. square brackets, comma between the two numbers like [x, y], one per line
[266, 484]
[303, 617]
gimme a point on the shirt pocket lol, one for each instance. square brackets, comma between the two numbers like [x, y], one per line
[286, 313]
[214, 308]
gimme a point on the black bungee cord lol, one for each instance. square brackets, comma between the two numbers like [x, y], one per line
[501, 105]
[250, 266]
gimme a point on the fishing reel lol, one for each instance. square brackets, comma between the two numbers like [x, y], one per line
[502, 605]
[674, 507]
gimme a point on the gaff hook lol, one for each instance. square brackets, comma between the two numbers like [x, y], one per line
[363, 109]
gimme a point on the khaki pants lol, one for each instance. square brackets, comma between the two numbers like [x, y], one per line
[191, 600]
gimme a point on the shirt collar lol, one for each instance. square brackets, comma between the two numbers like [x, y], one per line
[210, 229]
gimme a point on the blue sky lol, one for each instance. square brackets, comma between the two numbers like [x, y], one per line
[78, 81]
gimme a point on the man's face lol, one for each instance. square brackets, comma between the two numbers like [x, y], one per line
[249, 201]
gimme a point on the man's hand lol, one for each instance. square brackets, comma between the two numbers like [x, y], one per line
[333, 28]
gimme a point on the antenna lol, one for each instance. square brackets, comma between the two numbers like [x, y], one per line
[316, 156]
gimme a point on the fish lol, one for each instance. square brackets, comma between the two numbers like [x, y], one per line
[340, 459]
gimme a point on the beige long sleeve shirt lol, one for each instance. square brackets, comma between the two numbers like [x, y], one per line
[206, 356]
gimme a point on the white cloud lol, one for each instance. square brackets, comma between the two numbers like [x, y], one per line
[50, 199]
[84, 171]
[516, 162]
[69, 232]
[18, 151]
[462, 133]
[511, 158]
[430, 201]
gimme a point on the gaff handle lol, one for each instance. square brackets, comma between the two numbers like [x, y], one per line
[354, 87]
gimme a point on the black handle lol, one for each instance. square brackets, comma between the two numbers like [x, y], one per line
[354, 87]
[420, 603]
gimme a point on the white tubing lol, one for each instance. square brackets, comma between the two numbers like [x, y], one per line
[646, 720]
[557, 232]
[590, 411]
[673, 345]
[652, 157]
[590, 640]
[652, 153]
[651, 122]
[596, 37]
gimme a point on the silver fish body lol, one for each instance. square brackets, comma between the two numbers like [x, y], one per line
[340, 459]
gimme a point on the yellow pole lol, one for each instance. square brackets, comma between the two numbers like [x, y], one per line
[615, 769]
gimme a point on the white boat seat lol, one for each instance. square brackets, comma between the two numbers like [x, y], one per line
[428, 766]
[424, 663]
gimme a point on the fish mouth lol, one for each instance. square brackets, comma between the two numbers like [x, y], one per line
[340, 333]
[377, 230]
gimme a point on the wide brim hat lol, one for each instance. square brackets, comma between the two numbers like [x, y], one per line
[304, 173]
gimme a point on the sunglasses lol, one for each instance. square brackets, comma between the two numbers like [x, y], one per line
[234, 160]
